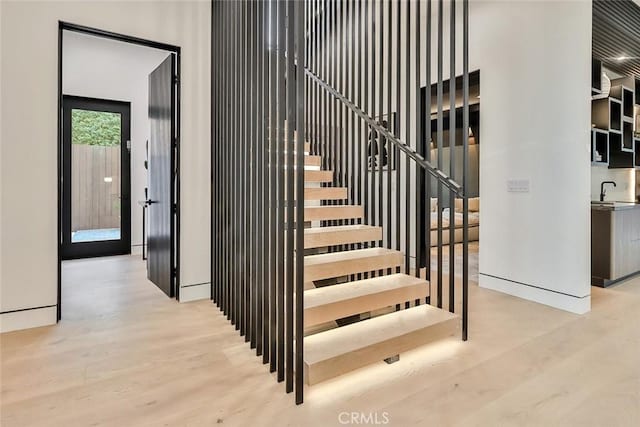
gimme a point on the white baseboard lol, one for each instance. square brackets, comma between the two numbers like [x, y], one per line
[573, 304]
[26, 319]
[195, 292]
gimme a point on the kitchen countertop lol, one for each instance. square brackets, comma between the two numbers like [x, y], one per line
[614, 206]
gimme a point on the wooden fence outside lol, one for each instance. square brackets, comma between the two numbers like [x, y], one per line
[95, 187]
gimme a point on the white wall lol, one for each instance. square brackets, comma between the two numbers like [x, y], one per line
[96, 67]
[625, 180]
[29, 87]
[534, 58]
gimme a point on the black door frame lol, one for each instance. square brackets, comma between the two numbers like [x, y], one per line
[175, 154]
[104, 247]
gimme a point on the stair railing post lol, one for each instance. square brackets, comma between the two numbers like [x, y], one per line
[302, 137]
[465, 174]
[452, 153]
[292, 129]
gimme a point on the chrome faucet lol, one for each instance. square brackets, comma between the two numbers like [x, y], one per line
[602, 191]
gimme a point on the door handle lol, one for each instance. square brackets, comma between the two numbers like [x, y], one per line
[151, 202]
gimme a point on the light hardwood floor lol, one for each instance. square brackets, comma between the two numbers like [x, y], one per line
[125, 355]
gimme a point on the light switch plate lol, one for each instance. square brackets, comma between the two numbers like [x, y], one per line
[518, 185]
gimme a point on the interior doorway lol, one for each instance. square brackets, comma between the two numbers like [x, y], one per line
[118, 155]
[96, 214]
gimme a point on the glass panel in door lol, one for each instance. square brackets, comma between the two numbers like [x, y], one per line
[96, 210]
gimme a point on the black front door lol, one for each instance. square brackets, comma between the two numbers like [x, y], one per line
[96, 214]
[160, 237]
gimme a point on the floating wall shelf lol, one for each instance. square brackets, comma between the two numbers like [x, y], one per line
[626, 96]
[600, 147]
[614, 141]
[627, 136]
[606, 113]
[596, 77]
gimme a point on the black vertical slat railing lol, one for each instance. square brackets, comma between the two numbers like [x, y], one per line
[381, 141]
[425, 146]
[420, 219]
[258, 133]
[389, 224]
[354, 79]
[465, 174]
[281, 168]
[452, 150]
[351, 125]
[398, 89]
[371, 110]
[440, 147]
[265, 248]
[290, 250]
[387, 50]
[300, 99]
[272, 48]
[407, 171]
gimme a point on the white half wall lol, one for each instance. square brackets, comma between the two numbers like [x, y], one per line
[28, 127]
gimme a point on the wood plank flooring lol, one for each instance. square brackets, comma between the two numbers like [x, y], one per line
[125, 355]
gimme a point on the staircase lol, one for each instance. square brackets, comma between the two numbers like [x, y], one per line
[323, 295]
[331, 350]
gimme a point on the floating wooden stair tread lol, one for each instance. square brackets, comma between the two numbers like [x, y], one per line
[337, 264]
[318, 237]
[326, 213]
[337, 351]
[318, 176]
[329, 303]
[325, 193]
[307, 145]
[312, 160]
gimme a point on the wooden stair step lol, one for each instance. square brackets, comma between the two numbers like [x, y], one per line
[307, 145]
[312, 160]
[337, 264]
[326, 193]
[335, 302]
[318, 176]
[341, 350]
[328, 213]
[318, 237]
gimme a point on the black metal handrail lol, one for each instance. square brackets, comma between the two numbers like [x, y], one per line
[410, 152]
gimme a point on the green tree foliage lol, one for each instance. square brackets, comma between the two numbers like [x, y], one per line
[95, 128]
